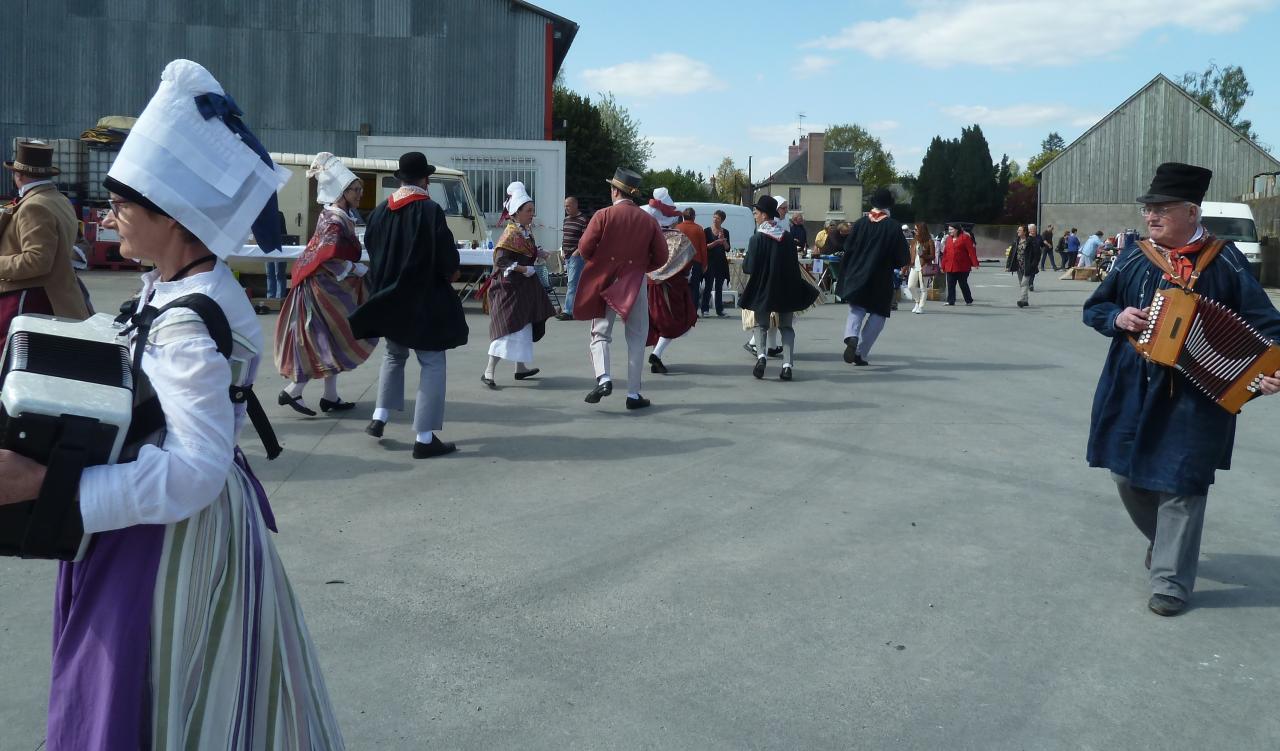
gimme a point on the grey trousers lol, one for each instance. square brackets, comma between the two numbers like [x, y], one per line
[1024, 286]
[428, 412]
[1174, 524]
[865, 325]
[637, 332]
[761, 333]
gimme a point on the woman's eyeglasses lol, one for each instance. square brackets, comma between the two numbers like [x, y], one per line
[115, 207]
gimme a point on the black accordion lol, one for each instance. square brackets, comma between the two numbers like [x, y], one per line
[66, 401]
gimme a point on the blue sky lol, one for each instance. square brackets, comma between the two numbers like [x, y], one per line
[712, 78]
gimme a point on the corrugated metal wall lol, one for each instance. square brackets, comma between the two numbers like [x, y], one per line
[307, 73]
[1115, 161]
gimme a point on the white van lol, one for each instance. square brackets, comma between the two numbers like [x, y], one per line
[1234, 222]
[448, 188]
[738, 220]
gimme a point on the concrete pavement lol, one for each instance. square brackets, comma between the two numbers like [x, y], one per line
[911, 555]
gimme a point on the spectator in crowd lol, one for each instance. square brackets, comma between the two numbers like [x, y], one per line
[959, 257]
[698, 269]
[1046, 249]
[575, 222]
[1089, 251]
[718, 244]
[1024, 260]
[1073, 249]
[799, 234]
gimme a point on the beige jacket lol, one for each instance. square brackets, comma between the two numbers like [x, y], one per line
[35, 250]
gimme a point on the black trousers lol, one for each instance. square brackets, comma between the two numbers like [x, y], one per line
[707, 284]
[697, 275]
[961, 278]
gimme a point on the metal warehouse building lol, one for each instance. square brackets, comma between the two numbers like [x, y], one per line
[311, 75]
[1092, 183]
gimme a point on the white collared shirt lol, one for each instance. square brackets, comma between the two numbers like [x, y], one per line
[169, 483]
[25, 189]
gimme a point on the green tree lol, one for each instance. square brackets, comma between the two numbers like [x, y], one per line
[871, 163]
[729, 182]
[934, 191]
[976, 194]
[1224, 91]
[1053, 142]
[589, 158]
[685, 185]
[634, 150]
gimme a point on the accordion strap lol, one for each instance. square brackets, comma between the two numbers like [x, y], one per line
[55, 527]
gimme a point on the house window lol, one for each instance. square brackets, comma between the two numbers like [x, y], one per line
[837, 203]
[793, 199]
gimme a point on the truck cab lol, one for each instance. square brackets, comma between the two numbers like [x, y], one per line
[448, 187]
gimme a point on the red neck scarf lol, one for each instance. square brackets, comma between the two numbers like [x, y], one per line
[1182, 265]
[876, 215]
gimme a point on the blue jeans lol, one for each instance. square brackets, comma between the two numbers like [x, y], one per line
[573, 270]
[277, 279]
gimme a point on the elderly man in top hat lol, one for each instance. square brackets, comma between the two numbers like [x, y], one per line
[1159, 435]
[36, 238]
[412, 264]
[619, 247]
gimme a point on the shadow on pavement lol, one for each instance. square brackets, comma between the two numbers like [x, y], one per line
[537, 448]
[1257, 580]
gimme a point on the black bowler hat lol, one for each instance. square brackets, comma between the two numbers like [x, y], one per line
[767, 206]
[626, 181]
[882, 199]
[1175, 181]
[414, 166]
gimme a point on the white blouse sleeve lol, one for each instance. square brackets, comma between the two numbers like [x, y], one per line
[169, 483]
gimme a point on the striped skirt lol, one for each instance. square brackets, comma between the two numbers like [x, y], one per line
[229, 663]
[313, 338]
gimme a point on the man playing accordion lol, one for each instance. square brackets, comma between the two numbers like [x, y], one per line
[1161, 437]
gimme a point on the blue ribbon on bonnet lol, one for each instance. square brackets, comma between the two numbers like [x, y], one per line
[266, 228]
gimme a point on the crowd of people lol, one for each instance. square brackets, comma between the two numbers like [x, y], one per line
[181, 595]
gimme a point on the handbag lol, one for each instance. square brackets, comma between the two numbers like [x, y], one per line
[930, 269]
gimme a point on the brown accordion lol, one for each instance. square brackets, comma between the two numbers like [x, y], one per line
[1210, 344]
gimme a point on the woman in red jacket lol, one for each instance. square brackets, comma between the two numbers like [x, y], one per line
[959, 257]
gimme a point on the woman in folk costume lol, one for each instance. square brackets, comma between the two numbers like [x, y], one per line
[672, 309]
[313, 338]
[776, 286]
[178, 629]
[518, 306]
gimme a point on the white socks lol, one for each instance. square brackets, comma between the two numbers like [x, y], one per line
[425, 437]
[295, 389]
[381, 414]
[331, 388]
[492, 367]
[661, 346]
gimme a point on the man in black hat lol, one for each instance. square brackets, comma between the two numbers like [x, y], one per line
[36, 238]
[874, 249]
[1161, 437]
[413, 262]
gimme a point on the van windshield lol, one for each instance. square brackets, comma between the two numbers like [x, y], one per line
[451, 197]
[1231, 229]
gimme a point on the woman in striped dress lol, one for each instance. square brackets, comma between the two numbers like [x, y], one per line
[313, 338]
[518, 306]
[178, 629]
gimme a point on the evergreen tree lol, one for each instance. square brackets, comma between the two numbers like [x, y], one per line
[933, 191]
[590, 156]
[685, 185]
[977, 195]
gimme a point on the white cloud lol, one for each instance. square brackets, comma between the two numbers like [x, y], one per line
[880, 126]
[1021, 115]
[782, 134]
[812, 65]
[685, 152]
[662, 74]
[978, 32]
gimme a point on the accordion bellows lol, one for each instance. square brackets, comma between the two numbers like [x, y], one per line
[1210, 344]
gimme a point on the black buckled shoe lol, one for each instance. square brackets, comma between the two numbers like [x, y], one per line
[656, 365]
[602, 389]
[1166, 605]
[295, 403]
[637, 402]
[860, 361]
[774, 352]
[437, 447]
[751, 349]
[489, 382]
[758, 370]
[375, 427]
[530, 373]
[786, 373]
[850, 349]
[336, 406]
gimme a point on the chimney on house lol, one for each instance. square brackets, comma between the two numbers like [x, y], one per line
[817, 157]
[795, 150]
